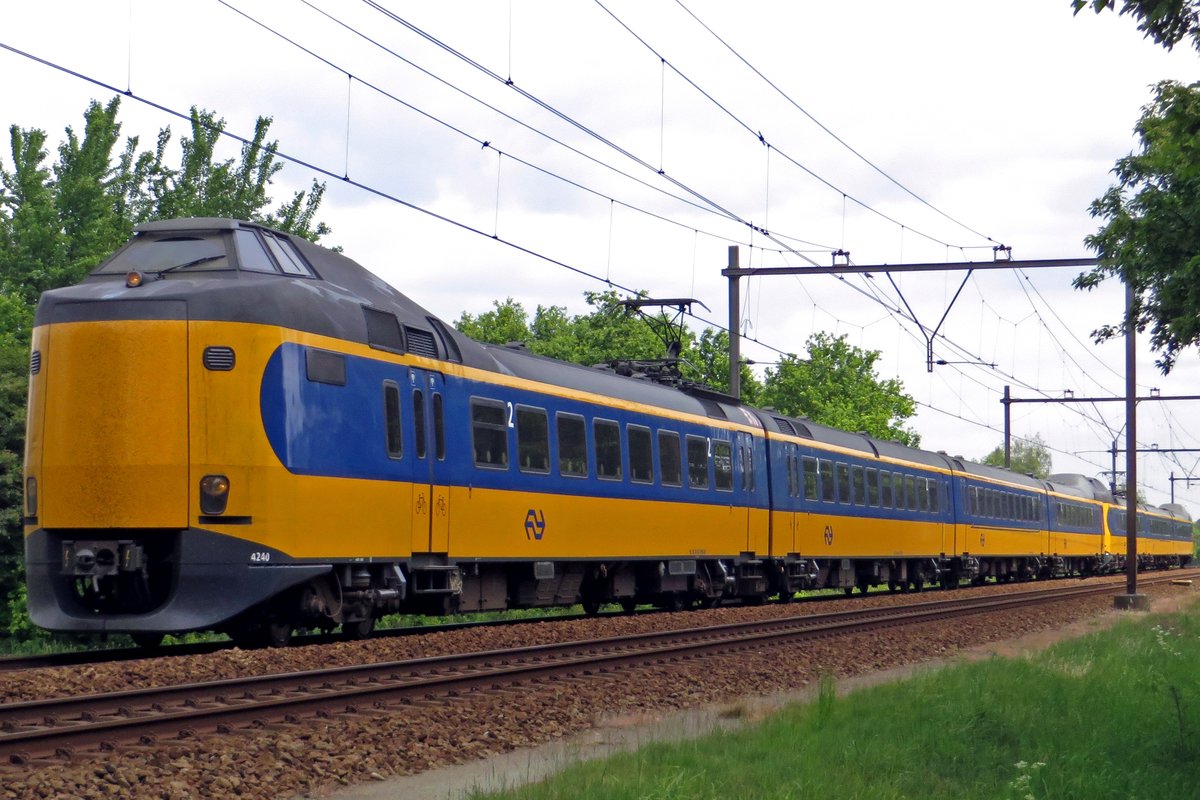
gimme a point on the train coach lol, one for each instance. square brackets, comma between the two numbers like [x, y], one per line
[234, 429]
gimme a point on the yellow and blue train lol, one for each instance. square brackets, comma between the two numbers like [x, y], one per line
[234, 429]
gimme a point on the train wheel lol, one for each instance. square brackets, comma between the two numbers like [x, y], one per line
[628, 604]
[849, 590]
[361, 629]
[591, 607]
[892, 587]
[918, 584]
[147, 641]
[276, 633]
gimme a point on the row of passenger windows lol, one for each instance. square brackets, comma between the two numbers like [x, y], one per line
[852, 484]
[1149, 525]
[999, 504]
[1077, 516]
[491, 420]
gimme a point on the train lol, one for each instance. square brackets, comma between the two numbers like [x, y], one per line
[234, 429]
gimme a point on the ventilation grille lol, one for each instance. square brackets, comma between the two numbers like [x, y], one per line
[785, 426]
[35, 362]
[421, 342]
[219, 359]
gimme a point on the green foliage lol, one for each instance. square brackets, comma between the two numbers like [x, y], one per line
[1026, 456]
[1167, 22]
[837, 386]
[58, 221]
[608, 332]
[708, 363]
[1151, 232]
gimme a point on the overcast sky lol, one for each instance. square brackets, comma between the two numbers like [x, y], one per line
[986, 123]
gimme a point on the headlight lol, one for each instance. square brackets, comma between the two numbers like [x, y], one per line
[214, 494]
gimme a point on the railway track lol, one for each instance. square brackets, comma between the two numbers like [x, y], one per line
[85, 657]
[81, 657]
[59, 728]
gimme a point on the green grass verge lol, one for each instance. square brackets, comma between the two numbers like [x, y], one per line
[1112, 715]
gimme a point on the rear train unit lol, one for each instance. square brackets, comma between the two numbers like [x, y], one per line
[234, 429]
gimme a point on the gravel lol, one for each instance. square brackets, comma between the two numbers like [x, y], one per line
[316, 755]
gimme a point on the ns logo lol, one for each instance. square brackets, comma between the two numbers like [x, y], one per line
[535, 524]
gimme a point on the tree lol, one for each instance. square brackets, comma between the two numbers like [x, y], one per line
[1026, 456]
[837, 386]
[1151, 235]
[708, 363]
[1167, 22]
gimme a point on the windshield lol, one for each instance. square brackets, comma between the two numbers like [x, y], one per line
[188, 252]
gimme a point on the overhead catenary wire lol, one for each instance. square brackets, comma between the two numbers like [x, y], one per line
[758, 134]
[823, 127]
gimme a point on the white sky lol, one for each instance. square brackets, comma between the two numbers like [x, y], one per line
[1004, 116]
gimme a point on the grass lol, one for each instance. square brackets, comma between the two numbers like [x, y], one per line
[1112, 715]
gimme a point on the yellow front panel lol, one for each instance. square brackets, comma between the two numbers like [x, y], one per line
[305, 516]
[35, 413]
[115, 438]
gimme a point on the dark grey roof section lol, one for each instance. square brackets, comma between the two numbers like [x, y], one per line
[195, 224]
[1072, 490]
[1082, 486]
[522, 363]
[330, 305]
[1177, 511]
[851, 441]
[1000, 474]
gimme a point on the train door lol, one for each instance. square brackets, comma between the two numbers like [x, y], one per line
[431, 494]
[748, 484]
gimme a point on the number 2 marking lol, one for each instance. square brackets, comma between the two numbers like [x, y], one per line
[510, 414]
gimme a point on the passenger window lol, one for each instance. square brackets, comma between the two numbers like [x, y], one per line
[828, 494]
[898, 490]
[697, 456]
[843, 482]
[933, 495]
[872, 486]
[439, 427]
[723, 466]
[923, 494]
[419, 421]
[747, 465]
[669, 464]
[860, 494]
[910, 492]
[572, 445]
[533, 440]
[641, 454]
[810, 478]
[489, 433]
[885, 488]
[608, 449]
[391, 415]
